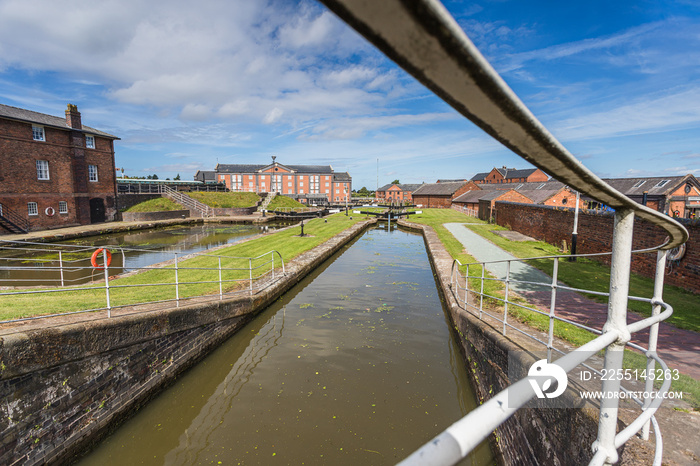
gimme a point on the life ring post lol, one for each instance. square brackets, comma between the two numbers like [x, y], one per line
[107, 257]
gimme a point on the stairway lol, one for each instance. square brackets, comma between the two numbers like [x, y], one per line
[192, 204]
[263, 205]
[11, 221]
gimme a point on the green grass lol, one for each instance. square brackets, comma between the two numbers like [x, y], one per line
[155, 205]
[286, 242]
[591, 275]
[226, 200]
[283, 201]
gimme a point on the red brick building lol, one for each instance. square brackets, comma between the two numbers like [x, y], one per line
[54, 171]
[511, 175]
[677, 196]
[440, 195]
[392, 192]
[305, 183]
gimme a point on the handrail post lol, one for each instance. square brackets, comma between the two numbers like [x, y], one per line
[272, 255]
[177, 284]
[60, 266]
[481, 300]
[104, 264]
[221, 289]
[617, 322]
[654, 331]
[552, 306]
[250, 271]
[466, 287]
[505, 301]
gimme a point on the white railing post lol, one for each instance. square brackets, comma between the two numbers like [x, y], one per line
[481, 300]
[221, 287]
[177, 284]
[552, 306]
[250, 270]
[60, 266]
[104, 263]
[617, 322]
[466, 287]
[272, 255]
[654, 331]
[505, 301]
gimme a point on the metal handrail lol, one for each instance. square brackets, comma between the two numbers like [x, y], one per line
[261, 273]
[187, 201]
[14, 218]
[423, 38]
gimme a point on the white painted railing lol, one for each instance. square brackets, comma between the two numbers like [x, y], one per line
[185, 200]
[466, 210]
[423, 38]
[99, 281]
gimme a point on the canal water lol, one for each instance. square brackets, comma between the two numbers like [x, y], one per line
[356, 365]
[130, 250]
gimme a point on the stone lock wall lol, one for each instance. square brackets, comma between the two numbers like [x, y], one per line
[555, 224]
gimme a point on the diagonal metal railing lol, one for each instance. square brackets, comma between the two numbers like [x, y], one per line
[423, 38]
[187, 201]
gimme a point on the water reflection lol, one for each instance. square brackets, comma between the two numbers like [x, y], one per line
[355, 365]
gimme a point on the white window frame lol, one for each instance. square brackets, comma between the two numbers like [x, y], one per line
[662, 183]
[89, 141]
[92, 173]
[38, 133]
[32, 209]
[42, 170]
[639, 184]
[62, 207]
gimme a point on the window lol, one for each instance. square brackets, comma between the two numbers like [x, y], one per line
[90, 142]
[327, 184]
[250, 177]
[289, 184]
[661, 183]
[32, 208]
[62, 207]
[42, 170]
[92, 172]
[301, 183]
[337, 191]
[639, 183]
[38, 133]
[540, 186]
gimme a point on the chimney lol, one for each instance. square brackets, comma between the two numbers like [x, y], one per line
[73, 117]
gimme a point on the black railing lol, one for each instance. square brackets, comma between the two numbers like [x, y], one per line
[11, 221]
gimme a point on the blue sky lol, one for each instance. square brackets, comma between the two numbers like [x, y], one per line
[188, 84]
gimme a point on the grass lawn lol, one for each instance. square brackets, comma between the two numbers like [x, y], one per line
[283, 201]
[591, 275]
[161, 281]
[582, 274]
[225, 200]
[155, 205]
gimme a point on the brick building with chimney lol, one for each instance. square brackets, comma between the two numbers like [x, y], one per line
[54, 171]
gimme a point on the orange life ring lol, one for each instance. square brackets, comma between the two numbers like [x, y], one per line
[93, 259]
[50, 211]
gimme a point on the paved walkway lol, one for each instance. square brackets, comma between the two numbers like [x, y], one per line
[677, 347]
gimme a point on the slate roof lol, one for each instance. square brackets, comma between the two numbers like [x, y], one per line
[20, 114]
[480, 176]
[253, 168]
[637, 186]
[438, 189]
[342, 176]
[472, 197]
[402, 186]
[510, 173]
[203, 175]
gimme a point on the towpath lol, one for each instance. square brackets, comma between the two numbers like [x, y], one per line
[679, 348]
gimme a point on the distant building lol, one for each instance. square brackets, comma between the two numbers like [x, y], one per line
[306, 183]
[510, 175]
[677, 196]
[440, 195]
[54, 171]
[205, 176]
[391, 192]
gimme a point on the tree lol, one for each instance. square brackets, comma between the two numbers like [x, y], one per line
[155, 177]
[396, 182]
[177, 178]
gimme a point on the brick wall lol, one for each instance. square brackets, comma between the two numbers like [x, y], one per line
[67, 159]
[555, 224]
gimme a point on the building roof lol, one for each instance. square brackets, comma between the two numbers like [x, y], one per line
[402, 186]
[342, 176]
[205, 175]
[539, 196]
[451, 181]
[655, 185]
[253, 168]
[438, 189]
[480, 176]
[510, 173]
[20, 114]
[472, 197]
